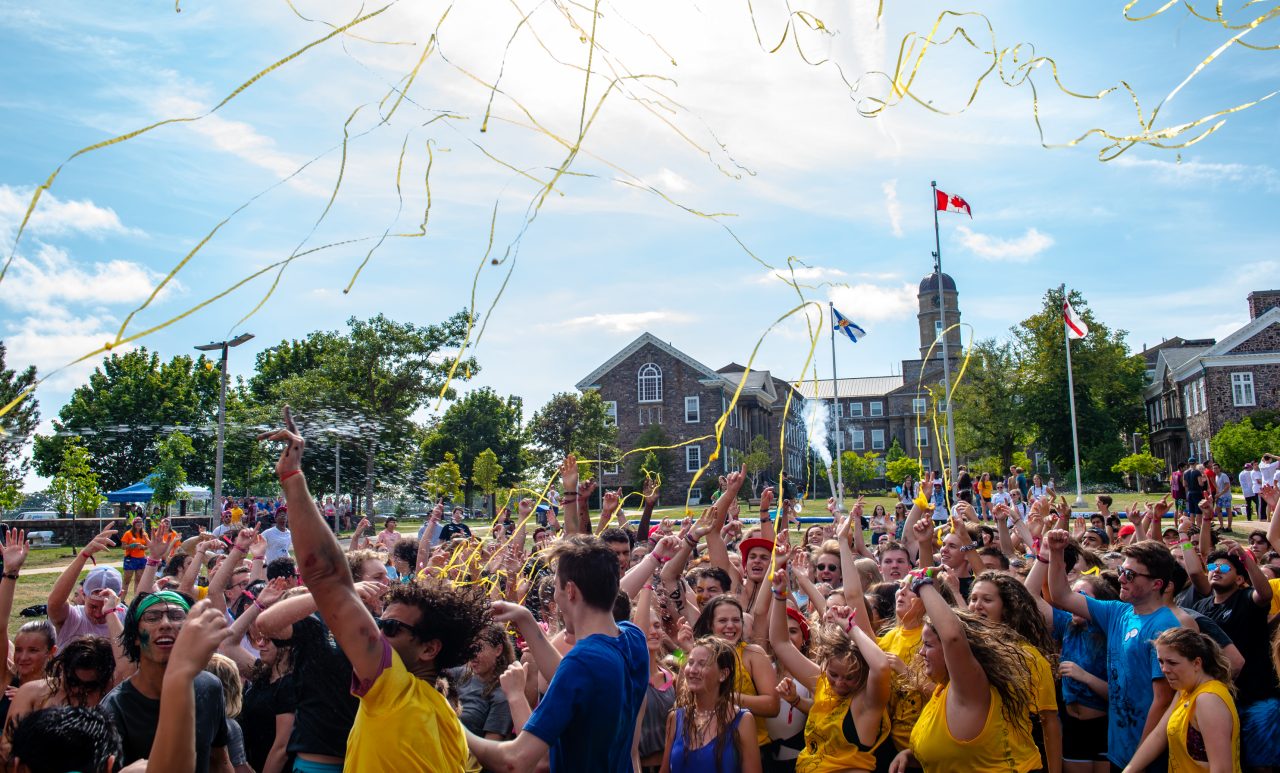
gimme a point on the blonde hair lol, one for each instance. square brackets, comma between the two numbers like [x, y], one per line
[228, 673]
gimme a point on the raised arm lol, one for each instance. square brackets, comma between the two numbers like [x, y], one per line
[799, 666]
[1035, 582]
[968, 680]
[60, 595]
[1060, 593]
[323, 564]
[569, 494]
[854, 594]
[14, 551]
[544, 654]
[767, 530]
[218, 582]
[649, 490]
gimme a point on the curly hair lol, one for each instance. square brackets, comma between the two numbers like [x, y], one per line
[1194, 645]
[1021, 614]
[831, 642]
[703, 626]
[406, 550]
[356, 559]
[453, 615]
[723, 656]
[84, 653]
[494, 635]
[1003, 661]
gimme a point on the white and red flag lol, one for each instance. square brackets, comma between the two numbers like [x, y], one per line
[1076, 328]
[948, 203]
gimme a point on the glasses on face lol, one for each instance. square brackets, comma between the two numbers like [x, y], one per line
[1219, 566]
[1127, 574]
[826, 567]
[174, 615]
[393, 628]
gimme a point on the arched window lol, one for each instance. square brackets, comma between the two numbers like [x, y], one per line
[649, 383]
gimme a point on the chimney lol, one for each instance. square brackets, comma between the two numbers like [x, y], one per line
[1261, 301]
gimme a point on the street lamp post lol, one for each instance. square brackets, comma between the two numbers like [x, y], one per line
[222, 416]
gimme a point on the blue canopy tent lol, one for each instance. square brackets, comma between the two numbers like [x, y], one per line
[142, 492]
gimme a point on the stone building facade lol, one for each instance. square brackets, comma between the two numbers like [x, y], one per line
[1197, 388]
[651, 382]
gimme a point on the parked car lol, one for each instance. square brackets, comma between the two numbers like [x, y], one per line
[38, 537]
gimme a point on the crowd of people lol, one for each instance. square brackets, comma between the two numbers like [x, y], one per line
[971, 632]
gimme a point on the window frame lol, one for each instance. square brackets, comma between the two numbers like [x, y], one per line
[690, 451]
[857, 439]
[1241, 379]
[922, 437]
[877, 445]
[697, 409]
[649, 374]
[919, 406]
[855, 410]
[877, 408]
[611, 412]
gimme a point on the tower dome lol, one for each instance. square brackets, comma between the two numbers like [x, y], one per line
[930, 284]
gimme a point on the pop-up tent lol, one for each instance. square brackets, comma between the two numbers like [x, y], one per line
[142, 492]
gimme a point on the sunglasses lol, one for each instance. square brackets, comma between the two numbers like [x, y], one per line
[826, 567]
[1128, 574]
[156, 615]
[1219, 566]
[393, 628]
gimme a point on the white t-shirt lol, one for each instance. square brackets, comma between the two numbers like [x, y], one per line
[279, 543]
[221, 529]
[1246, 483]
[1269, 471]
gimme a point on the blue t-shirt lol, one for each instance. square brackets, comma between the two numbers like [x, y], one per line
[588, 715]
[1131, 667]
[1086, 647]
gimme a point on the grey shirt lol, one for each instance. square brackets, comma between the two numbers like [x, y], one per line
[481, 713]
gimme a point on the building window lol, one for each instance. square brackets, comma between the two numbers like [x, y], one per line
[649, 383]
[941, 404]
[650, 414]
[692, 410]
[922, 437]
[937, 327]
[611, 412]
[695, 496]
[859, 439]
[855, 410]
[1186, 398]
[877, 408]
[611, 468]
[877, 440]
[839, 409]
[917, 405]
[1242, 388]
[1204, 404]
[692, 458]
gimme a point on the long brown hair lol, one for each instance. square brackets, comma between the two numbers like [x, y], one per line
[723, 656]
[1002, 659]
[1021, 614]
[494, 635]
[1194, 645]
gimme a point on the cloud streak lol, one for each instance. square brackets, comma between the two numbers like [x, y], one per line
[893, 207]
[1022, 249]
[629, 322]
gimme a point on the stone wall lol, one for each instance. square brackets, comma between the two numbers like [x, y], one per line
[1268, 340]
[1262, 300]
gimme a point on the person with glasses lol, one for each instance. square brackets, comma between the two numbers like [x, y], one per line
[826, 567]
[1136, 688]
[404, 722]
[151, 627]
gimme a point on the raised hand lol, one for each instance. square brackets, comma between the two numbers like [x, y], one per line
[766, 499]
[858, 506]
[1057, 539]
[290, 460]
[1162, 506]
[204, 630]
[800, 561]
[569, 473]
[15, 550]
[787, 690]
[1271, 495]
[244, 539]
[110, 600]
[258, 548]
[666, 548]
[610, 499]
[782, 549]
[506, 612]
[103, 541]
[513, 678]
[840, 615]
[585, 490]
[273, 590]
[524, 508]
[735, 509]
[649, 490]
[684, 636]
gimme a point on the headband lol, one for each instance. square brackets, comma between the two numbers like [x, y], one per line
[160, 597]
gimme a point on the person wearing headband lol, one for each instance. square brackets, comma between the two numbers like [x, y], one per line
[151, 628]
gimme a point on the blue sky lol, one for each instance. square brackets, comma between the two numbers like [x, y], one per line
[1161, 242]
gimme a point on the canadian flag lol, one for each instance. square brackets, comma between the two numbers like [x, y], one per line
[1076, 328]
[949, 203]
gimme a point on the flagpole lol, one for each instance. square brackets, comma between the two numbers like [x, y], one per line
[950, 464]
[835, 400]
[1071, 394]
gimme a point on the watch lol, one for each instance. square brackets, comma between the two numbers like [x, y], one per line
[920, 581]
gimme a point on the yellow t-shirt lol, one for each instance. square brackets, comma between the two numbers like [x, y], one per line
[404, 723]
[826, 749]
[1044, 694]
[1275, 598]
[236, 515]
[905, 701]
[1184, 709]
[999, 748]
[743, 683]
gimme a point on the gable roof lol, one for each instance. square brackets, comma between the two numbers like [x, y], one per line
[1170, 360]
[1223, 348]
[592, 381]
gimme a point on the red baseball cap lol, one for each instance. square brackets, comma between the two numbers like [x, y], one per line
[1127, 529]
[799, 618]
[746, 545]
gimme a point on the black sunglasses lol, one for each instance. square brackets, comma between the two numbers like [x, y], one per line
[393, 628]
[1125, 573]
[826, 567]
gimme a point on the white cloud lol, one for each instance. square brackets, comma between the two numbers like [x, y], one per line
[1203, 172]
[53, 216]
[1019, 250]
[630, 322]
[892, 205]
[801, 274]
[51, 339]
[51, 280]
[872, 302]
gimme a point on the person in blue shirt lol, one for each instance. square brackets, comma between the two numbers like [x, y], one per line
[1136, 689]
[587, 718]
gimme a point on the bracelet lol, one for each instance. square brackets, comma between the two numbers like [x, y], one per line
[289, 475]
[918, 582]
[692, 542]
[12, 576]
[258, 604]
[154, 562]
[257, 558]
[1041, 559]
[1188, 545]
[780, 595]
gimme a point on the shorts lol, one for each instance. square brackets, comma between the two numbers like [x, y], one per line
[135, 564]
[308, 766]
[1084, 740]
[1259, 742]
[1224, 501]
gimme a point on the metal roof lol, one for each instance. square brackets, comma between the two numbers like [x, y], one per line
[867, 386]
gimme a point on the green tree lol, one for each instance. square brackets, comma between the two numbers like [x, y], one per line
[170, 474]
[658, 462]
[859, 469]
[480, 421]
[570, 423]
[17, 426]
[1108, 386]
[897, 470]
[485, 474]
[1139, 467]
[1243, 441]
[10, 489]
[756, 458]
[444, 481]
[131, 400]
[988, 408]
[74, 487]
[895, 452]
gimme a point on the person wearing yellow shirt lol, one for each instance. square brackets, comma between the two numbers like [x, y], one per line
[1200, 729]
[403, 722]
[978, 719]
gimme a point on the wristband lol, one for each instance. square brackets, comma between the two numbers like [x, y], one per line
[258, 604]
[780, 595]
[918, 582]
[154, 562]
[661, 559]
[1188, 545]
[1041, 559]
[692, 542]
[289, 475]
[257, 558]
[12, 576]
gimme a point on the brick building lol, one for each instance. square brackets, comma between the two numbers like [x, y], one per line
[1197, 386]
[651, 382]
[874, 411]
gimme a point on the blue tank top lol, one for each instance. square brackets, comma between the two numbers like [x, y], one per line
[703, 759]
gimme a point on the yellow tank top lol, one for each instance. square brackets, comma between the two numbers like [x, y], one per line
[905, 701]
[1184, 710]
[826, 747]
[744, 684]
[999, 748]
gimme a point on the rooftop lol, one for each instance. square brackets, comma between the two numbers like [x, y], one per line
[866, 386]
